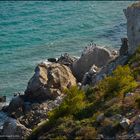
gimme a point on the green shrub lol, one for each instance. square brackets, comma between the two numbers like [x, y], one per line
[114, 109]
[119, 83]
[72, 104]
[39, 129]
[90, 96]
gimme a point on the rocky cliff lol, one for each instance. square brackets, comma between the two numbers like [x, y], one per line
[132, 14]
[107, 107]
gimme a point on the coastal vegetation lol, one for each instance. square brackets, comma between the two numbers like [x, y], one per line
[86, 113]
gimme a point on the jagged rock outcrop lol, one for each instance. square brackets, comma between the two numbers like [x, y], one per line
[124, 47]
[132, 14]
[67, 60]
[49, 81]
[30, 114]
[93, 55]
[88, 75]
[12, 129]
[108, 69]
[35, 113]
[43, 93]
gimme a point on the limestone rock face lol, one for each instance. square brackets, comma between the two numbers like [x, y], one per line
[91, 56]
[48, 81]
[132, 14]
[12, 129]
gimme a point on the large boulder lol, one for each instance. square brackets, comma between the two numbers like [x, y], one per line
[49, 81]
[12, 129]
[93, 55]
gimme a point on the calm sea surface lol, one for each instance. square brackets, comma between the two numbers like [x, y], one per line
[33, 31]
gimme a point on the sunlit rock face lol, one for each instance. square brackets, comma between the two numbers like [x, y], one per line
[94, 55]
[49, 81]
[132, 14]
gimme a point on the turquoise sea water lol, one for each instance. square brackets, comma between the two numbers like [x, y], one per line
[33, 31]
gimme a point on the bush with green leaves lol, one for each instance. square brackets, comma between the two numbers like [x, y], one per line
[72, 103]
[121, 82]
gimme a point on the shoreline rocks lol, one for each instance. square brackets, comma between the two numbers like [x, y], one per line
[44, 93]
[12, 129]
[30, 114]
[15, 107]
[45, 90]
[49, 81]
